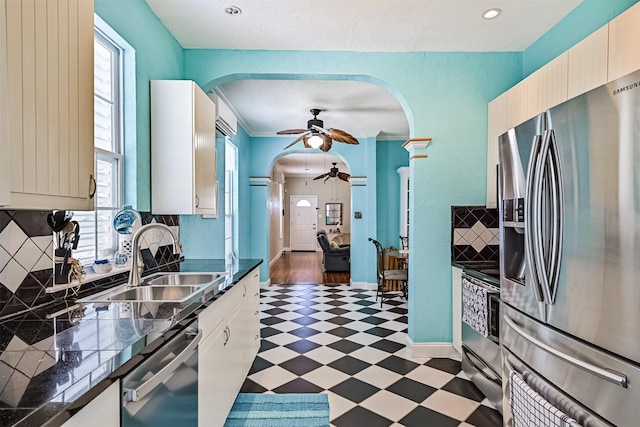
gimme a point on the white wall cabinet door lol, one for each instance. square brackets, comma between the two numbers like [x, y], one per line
[104, 410]
[624, 33]
[49, 102]
[183, 149]
[587, 63]
[5, 164]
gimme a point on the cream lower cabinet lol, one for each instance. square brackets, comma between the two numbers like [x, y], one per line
[183, 149]
[104, 410]
[46, 104]
[231, 339]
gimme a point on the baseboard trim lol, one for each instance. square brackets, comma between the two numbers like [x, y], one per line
[275, 259]
[431, 349]
[364, 285]
[265, 285]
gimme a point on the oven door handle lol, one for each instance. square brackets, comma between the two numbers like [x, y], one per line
[468, 353]
[135, 394]
[607, 374]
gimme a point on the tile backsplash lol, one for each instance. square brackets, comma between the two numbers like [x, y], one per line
[475, 234]
[26, 265]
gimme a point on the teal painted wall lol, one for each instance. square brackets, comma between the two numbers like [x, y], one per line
[445, 96]
[582, 21]
[157, 56]
[391, 156]
[206, 235]
[243, 143]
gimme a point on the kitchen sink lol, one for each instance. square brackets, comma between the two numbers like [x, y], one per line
[181, 278]
[175, 288]
[156, 293]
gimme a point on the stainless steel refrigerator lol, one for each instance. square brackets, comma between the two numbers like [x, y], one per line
[570, 257]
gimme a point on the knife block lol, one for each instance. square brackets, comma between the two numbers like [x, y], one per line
[61, 266]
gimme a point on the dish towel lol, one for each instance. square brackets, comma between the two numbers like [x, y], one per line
[474, 307]
[528, 408]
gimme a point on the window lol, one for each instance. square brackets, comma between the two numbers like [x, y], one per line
[230, 201]
[98, 239]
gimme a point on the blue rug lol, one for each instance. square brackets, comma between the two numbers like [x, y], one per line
[279, 410]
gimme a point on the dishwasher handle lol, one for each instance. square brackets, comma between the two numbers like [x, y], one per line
[135, 394]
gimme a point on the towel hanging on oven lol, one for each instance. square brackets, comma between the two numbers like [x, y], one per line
[475, 307]
[528, 408]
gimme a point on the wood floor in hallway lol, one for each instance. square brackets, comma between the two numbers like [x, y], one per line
[304, 268]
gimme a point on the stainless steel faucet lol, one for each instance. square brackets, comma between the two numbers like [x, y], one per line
[136, 271]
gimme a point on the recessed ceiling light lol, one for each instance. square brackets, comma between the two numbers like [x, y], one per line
[491, 13]
[233, 10]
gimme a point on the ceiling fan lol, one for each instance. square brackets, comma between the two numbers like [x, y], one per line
[316, 136]
[334, 173]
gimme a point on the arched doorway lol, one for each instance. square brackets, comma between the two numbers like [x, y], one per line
[297, 178]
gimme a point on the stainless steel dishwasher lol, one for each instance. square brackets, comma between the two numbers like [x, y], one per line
[163, 390]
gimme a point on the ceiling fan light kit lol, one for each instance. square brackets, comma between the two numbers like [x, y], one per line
[316, 136]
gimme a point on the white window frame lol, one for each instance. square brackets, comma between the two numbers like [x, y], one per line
[116, 155]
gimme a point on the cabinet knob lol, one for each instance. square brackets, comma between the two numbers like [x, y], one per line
[256, 312]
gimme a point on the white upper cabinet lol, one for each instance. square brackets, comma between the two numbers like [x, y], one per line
[183, 149]
[47, 71]
[624, 33]
[587, 63]
[5, 164]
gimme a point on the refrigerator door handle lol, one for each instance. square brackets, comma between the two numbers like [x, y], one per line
[557, 223]
[538, 193]
[609, 375]
[530, 206]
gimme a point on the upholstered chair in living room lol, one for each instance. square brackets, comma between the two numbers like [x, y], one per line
[334, 259]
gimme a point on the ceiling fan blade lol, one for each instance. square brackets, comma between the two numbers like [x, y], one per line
[296, 141]
[344, 176]
[321, 176]
[342, 136]
[291, 131]
[325, 180]
[320, 129]
[326, 145]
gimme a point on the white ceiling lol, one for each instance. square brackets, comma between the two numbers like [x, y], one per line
[264, 107]
[360, 108]
[360, 25]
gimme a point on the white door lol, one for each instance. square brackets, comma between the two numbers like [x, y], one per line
[304, 214]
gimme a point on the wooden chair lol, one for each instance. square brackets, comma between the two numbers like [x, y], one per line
[392, 281]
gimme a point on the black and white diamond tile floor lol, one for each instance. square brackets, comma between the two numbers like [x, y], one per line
[337, 340]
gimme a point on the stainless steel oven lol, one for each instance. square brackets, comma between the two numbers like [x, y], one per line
[481, 358]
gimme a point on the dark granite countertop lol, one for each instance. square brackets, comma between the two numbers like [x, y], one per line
[56, 359]
[483, 270]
